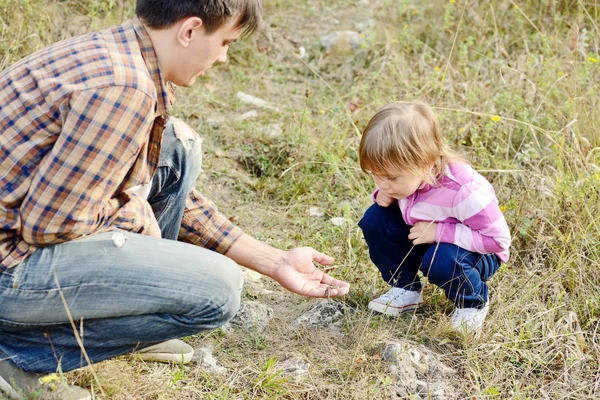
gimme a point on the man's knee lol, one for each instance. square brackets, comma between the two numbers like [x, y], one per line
[186, 146]
[225, 289]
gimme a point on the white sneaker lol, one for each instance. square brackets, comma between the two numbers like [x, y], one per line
[396, 301]
[469, 319]
[17, 384]
[170, 351]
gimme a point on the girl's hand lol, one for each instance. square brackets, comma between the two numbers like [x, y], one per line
[384, 200]
[423, 232]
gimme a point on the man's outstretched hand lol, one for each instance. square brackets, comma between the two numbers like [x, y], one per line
[298, 273]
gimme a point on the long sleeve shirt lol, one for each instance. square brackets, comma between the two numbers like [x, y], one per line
[465, 207]
[81, 124]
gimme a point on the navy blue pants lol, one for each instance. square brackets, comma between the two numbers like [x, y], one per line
[462, 274]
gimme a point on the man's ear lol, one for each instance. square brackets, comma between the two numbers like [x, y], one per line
[187, 29]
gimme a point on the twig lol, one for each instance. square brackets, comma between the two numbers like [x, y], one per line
[77, 337]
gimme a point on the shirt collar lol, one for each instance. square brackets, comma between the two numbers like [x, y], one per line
[165, 90]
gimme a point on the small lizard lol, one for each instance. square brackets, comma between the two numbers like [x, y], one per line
[328, 290]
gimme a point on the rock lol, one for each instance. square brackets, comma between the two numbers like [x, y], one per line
[273, 130]
[339, 221]
[205, 360]
[341, 42]
[315, 212]
[417, 370]
[249, 115]
[255, 101]
[215, 122]
[218, 121]
[322, 314]
[365, 25]
[292, 366]
[252, 315]
[302, 53]
[250, 275]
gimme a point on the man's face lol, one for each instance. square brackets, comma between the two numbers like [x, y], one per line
[205, 50]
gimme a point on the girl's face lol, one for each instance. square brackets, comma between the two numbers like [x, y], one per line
[397, 184]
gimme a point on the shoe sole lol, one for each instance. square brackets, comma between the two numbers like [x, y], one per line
[391, 310]
[6, 388]
[167, 357]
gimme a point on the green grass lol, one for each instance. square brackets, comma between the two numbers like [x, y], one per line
[516, 87]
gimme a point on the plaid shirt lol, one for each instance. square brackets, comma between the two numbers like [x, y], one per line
[81, 123]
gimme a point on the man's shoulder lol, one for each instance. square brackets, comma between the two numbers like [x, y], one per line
[106, 58]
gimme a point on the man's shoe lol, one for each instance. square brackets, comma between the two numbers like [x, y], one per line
[397, 301]
[469, 320]
[170, 351]
[18, 384]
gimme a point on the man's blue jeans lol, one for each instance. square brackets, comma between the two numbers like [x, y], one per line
[462, 274]
[123, 295]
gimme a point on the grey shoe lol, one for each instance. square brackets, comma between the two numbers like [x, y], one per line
[18, 384]
[170, 351]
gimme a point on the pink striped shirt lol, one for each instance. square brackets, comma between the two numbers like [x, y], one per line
[466, 209]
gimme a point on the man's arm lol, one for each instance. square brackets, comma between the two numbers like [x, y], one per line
[73, 192]
[205, 226]
[294, 269]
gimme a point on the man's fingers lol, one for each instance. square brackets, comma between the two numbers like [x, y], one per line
[322, 258]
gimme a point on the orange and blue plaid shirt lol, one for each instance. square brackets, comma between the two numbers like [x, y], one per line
[81, 123]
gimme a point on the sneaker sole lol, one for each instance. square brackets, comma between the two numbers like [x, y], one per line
[391, 310]
[6, 388]
[167, 357]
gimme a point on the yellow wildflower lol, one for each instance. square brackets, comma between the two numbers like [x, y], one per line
[502, 208]
[453, 1]
[496, 118]
[437, 68]
[592, 59]
[321, 111]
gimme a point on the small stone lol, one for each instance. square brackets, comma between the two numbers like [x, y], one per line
[365, 25]
[315, 212]
[322, 314]
[341, 42]
[205, 360]
[302, 52]
[215, 122]
[339, 221]
[252, 315]
[292, 366]
[273, 130]
[250, 275]
[249, 115]
[255, 101]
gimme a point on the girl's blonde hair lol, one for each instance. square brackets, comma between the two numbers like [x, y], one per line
[405, 137]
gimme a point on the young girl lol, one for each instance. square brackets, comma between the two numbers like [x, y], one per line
[432, 213]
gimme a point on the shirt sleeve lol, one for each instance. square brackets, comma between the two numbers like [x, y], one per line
[74, 192]
[482, 226]
[205, 226]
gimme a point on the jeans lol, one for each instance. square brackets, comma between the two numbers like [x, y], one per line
[462, 274]
[125, 291]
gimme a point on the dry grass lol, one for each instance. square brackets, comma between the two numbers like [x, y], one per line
[516, 86]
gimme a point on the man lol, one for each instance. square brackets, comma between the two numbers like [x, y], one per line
[97, 184]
